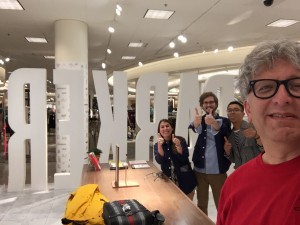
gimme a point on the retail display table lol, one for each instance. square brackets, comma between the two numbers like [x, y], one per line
[154, 191]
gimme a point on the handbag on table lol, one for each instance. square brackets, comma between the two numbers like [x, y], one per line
[130, 212]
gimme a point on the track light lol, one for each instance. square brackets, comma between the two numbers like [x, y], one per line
[119, 7]
[182, 38]
[111, 29]
[118, 10]
[172, 44]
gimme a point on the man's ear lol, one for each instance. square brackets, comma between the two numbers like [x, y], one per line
[248, 111]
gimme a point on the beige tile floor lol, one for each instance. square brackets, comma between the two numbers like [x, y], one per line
[43, 208]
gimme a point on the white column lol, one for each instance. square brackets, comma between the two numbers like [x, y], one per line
[71, 52]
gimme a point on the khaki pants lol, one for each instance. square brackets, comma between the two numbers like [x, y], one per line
[216, 182]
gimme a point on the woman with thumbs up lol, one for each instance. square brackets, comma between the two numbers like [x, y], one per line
[172, 153]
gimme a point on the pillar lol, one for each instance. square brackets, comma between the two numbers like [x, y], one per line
[71, 52]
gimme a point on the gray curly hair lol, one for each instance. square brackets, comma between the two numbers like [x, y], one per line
[263, 57]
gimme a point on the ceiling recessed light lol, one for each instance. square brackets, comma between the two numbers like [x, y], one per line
[282, 23]
[49, 57]
[140, 64]
[103, 65]
[128, 57]
[176, 55]
[135, 44]
[36, 40]
[216, 50]
[230, 48]
[174, 90]
[158, 14]
[108, 51]
[10, 4]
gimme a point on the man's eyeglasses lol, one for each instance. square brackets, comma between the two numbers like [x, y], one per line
[267, 88]
[209, 103]
[233, 110]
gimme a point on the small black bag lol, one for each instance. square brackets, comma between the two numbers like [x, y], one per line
[129, 212]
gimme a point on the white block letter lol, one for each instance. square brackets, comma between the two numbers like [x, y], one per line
[35, 131]
[159, 83]
[113, 129]
[73, 128]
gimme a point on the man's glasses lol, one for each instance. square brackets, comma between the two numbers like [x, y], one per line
[267, 88]
[233, 110]
[209, 103]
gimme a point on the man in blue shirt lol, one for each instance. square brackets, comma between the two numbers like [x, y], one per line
[210, 163]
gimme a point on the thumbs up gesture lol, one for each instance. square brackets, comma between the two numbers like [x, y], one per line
[177, 144]
[197, 119]
[250, 132]
[209, 119]
[160, 139]
[175, 140]
[227, 146]
[160, 142]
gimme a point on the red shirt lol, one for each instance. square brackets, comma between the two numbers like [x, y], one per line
[261, 194]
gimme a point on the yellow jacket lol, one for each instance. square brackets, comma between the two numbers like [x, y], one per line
[85, 205]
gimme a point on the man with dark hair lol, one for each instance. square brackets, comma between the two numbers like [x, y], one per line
[243, 143]
[266, 190]
[210, 163]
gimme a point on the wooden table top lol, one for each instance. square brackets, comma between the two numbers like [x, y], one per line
[154, 192]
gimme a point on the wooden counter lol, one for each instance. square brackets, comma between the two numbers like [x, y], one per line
[153, 192]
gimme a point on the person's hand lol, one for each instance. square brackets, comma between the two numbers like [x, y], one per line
[250, 132]
[209, 119]
[177, 144]
[175, 140]
[160, 142]
[160, 139]
[227, 146]
[197, 119]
